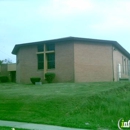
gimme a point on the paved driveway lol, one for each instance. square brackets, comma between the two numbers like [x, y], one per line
[32, 126]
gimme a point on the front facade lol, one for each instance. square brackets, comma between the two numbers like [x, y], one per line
[72, 60]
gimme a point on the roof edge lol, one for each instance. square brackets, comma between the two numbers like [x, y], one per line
[114, 43]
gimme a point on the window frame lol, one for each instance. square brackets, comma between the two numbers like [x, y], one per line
[45, 52]
[50, 62]
[40, 47]
[40, 62]
[50, 47]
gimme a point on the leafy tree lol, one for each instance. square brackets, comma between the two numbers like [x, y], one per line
[5, 61]
[1, 62]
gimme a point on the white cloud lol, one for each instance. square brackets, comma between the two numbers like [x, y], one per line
[63, 8]
[114, 17]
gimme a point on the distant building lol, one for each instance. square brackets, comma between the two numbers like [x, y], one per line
[72, 59]
[8, 70]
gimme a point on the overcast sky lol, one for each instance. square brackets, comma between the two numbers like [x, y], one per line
[24, 21]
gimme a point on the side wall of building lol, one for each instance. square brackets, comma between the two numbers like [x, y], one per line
[64, 63]
[64, 59]
[93, 62]
[121, 65]
[27, 65]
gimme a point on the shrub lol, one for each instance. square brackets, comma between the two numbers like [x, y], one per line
[49, 77]
[4, 79]
[35, 79]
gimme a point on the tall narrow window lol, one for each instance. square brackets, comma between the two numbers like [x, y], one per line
[40, 58]
[51, 60]
[128, 64]
[40, 48]
[50, 47]
[125, 65]
[119, 70]
[122, 64]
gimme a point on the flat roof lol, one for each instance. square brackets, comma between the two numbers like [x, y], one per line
[73, 39]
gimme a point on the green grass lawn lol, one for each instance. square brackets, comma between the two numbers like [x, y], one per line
[79, 105]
